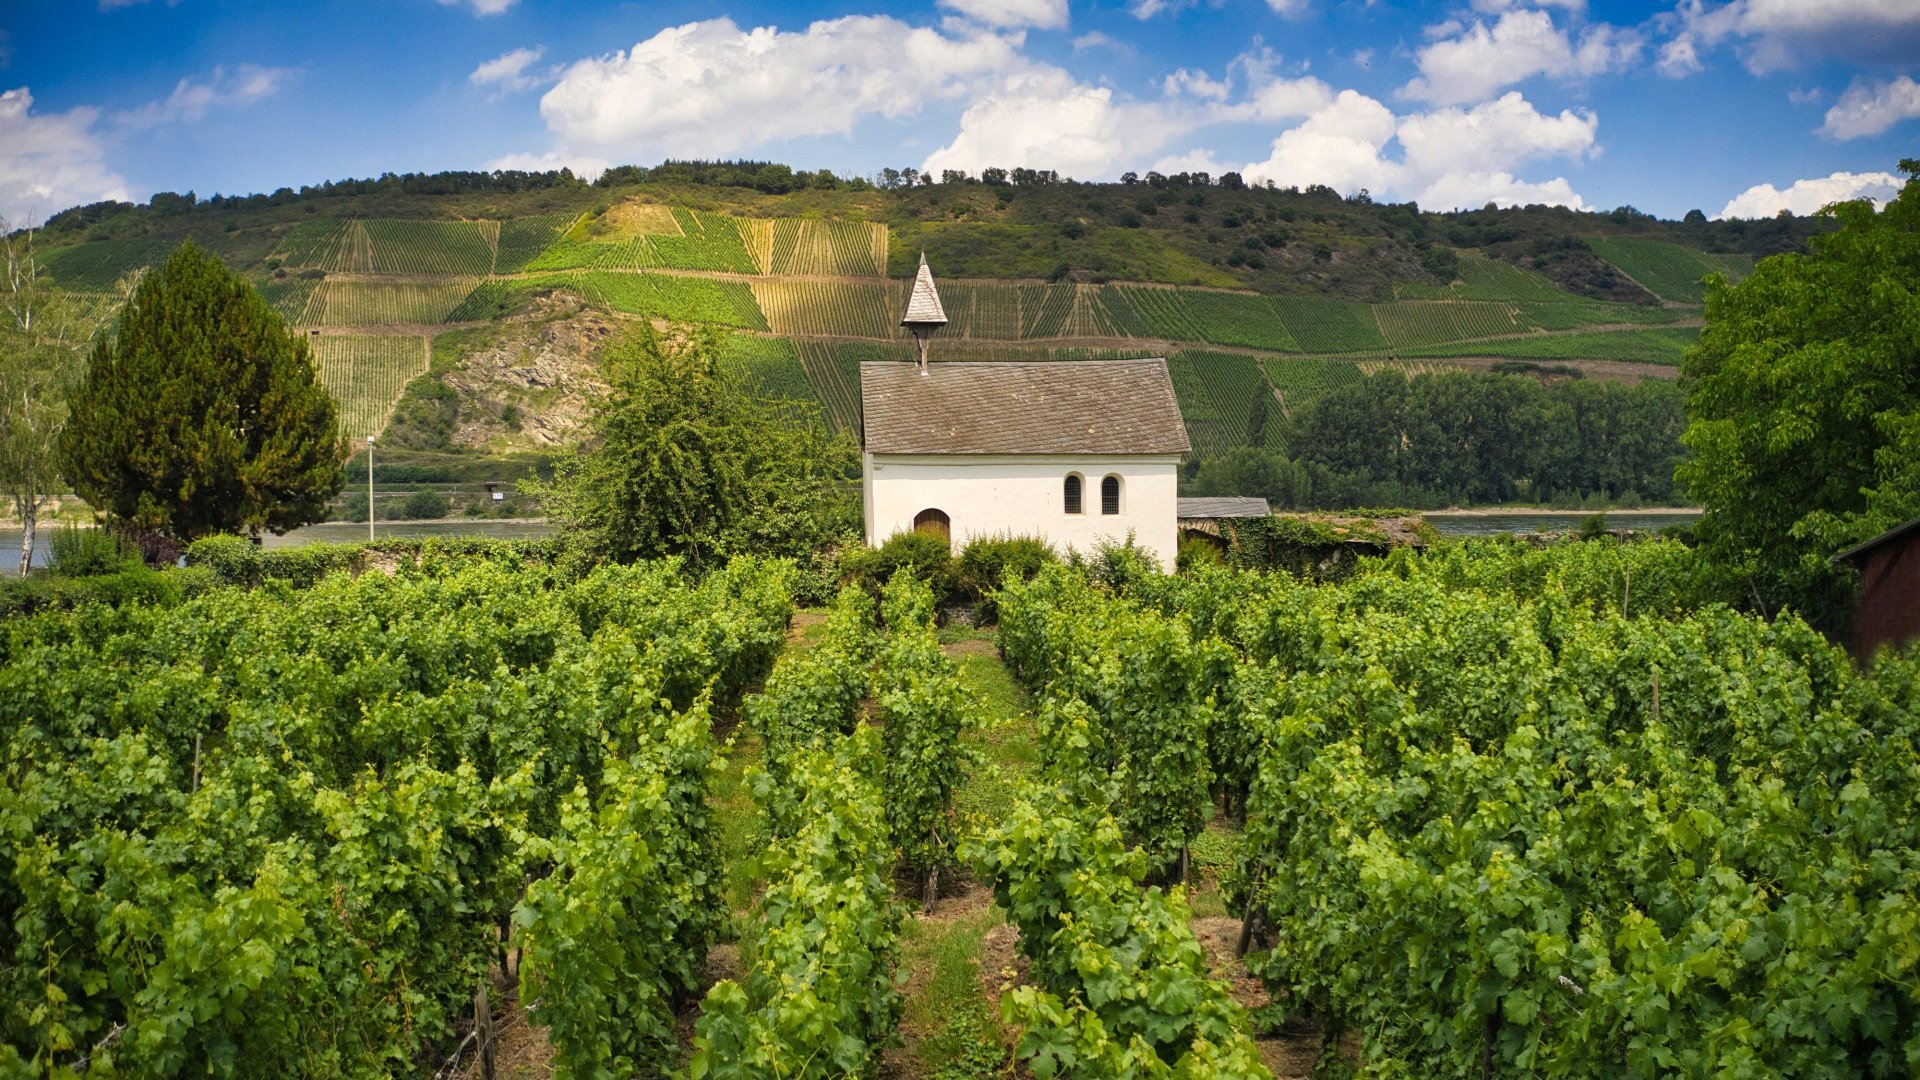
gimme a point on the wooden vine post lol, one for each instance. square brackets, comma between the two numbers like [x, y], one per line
[932, 890]
[483, 1029]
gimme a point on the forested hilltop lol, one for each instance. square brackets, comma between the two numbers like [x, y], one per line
[458, 314]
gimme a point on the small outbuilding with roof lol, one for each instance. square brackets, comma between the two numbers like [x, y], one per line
[1076, 452]
[1888, 612]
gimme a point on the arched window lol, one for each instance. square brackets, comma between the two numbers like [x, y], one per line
[935, 522]
[1073, 486]
[1110, 494]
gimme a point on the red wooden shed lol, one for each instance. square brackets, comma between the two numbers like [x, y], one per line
[1888, 612]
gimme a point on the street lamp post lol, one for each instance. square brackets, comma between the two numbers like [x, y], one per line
[369, 489]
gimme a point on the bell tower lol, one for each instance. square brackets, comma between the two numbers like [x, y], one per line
[924, 312]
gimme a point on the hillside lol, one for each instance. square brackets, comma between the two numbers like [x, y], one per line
[461, 309]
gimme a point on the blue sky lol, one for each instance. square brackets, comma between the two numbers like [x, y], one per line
[1737, 107]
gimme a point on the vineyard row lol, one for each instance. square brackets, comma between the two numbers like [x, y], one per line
[1509, 811]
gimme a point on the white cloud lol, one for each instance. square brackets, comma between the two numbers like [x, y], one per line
[1195, 84]
[1679, 58]
[1286, 99]
[481, 8]
[712, 88]
[1519, 46]
[1496, 135]
[1191, 162]
[587, 168]
[1289, 9]
[191, 99]
[1776, 34]
[1450, 157]
[1604, 48]
[1043, 119]
[49, 162]
[1094, 39]
[1473, 189]
[1869, 110]
[1147, 9]
[1495, 7]
[508, 71]
[1340, 145]
[1041, 14]
[1271, 96]
[1807, 196]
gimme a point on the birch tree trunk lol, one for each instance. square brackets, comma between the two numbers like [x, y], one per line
[28, 518]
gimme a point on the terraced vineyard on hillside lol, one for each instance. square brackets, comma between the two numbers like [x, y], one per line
[1217, 392]
[100, 264]
[1482, 278]
[834, 369]
[1669, 271]
[1654, 345]
[827, 308]
[365, 303]
[1577, 313]
[1299, 379]
[1329, 326]
[805, 299]
[1417, 323]
[771, 364]
[821, 248]
[366, 375]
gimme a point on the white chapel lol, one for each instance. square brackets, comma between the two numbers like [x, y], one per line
[1076, 452]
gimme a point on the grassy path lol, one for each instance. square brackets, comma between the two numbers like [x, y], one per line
[956, 958]
[955, 961]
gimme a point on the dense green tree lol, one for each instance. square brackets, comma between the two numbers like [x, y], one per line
[1464, 437]
[202, 413]
[1257, 473]
[683, 460]
[1612, 440]
[1456, 437]
[1804, 402]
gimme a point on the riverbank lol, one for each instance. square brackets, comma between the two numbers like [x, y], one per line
[1537, 511]
[330, 532]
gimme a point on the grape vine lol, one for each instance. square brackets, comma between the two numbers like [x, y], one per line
[819, 997]
[280, 832]
[923, 710]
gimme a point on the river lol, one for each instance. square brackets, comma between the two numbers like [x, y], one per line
[332, 532]
[343, 532]
[1494, 522]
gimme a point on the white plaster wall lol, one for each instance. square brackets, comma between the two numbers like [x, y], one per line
[985, 495]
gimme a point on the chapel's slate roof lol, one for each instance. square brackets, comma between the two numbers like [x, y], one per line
[1221, 506]
[923, 305]
[1062, 407]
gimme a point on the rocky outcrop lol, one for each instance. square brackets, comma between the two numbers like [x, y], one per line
[527, 382]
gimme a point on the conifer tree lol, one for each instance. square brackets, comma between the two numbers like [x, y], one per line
[201, 414]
